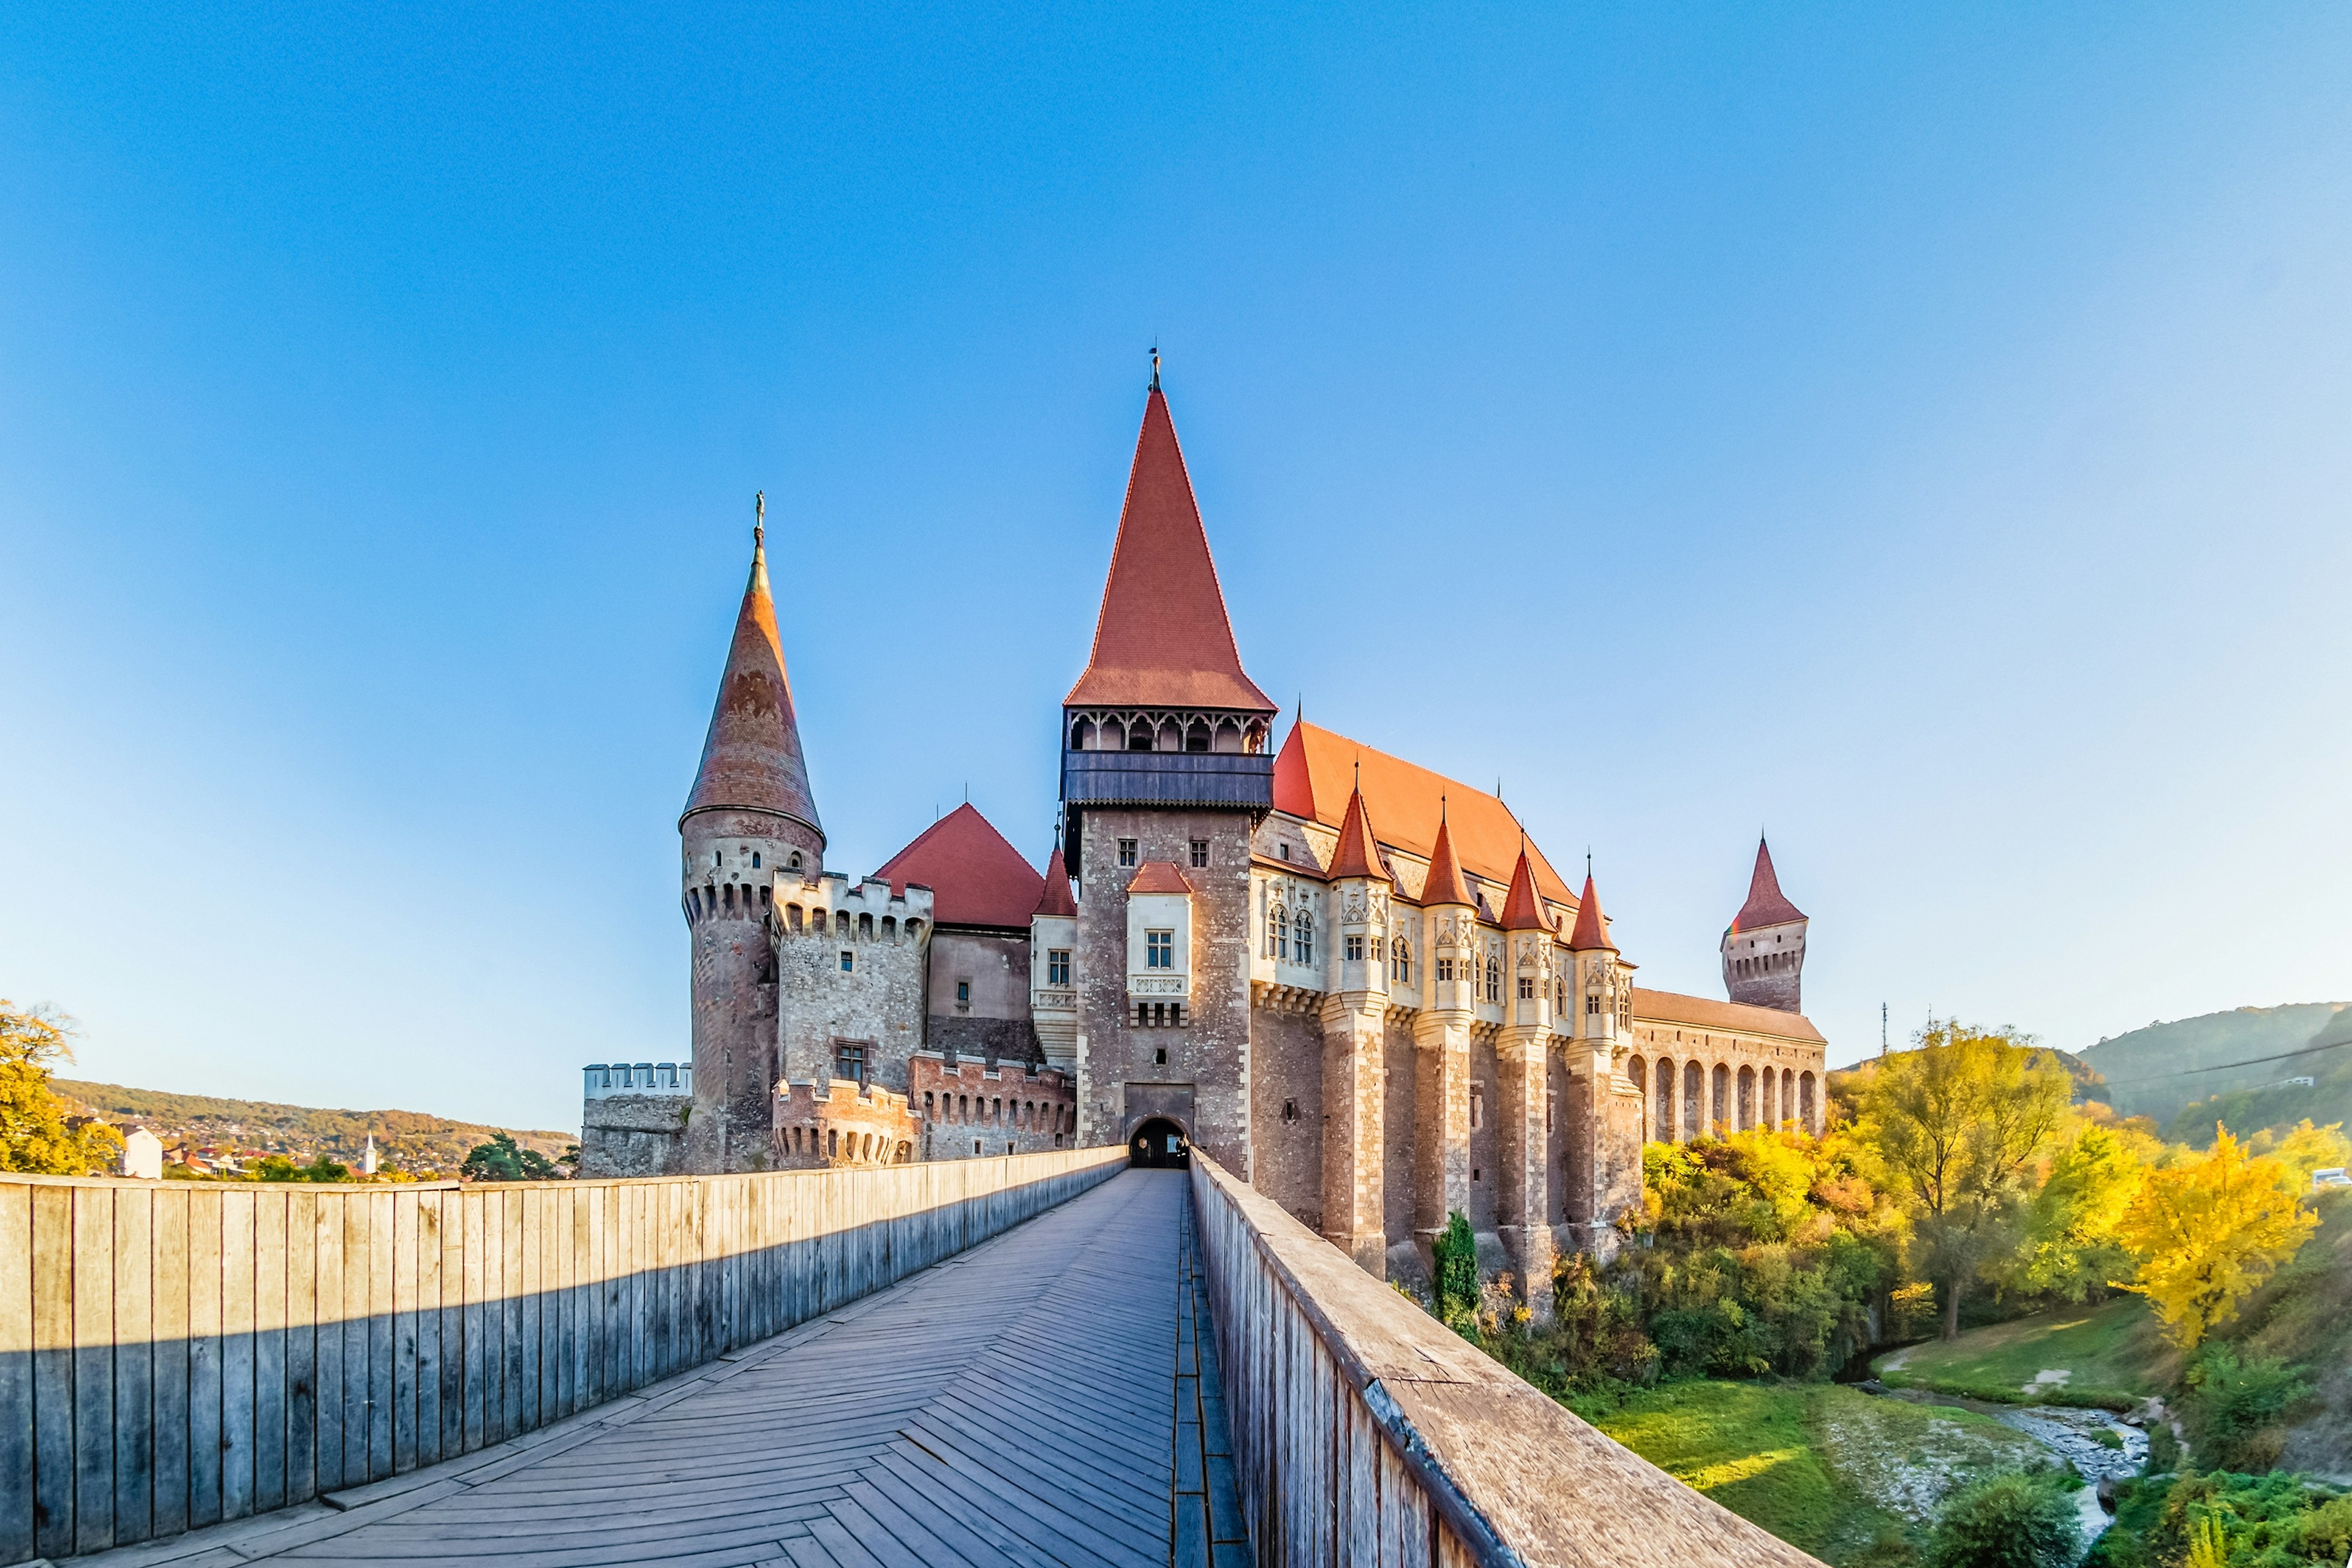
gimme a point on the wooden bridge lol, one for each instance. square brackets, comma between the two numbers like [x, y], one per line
[1001, 1362]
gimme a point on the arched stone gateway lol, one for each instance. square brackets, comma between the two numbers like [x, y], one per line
[1159, 1144]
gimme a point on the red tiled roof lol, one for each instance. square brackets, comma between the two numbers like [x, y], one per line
[1163, 638]
[1313, 770]
[1158, 877]
[752, 755]
[1522, 910]
[976, 879]
[1727, 1018]
[1592, 931]
[1357, 854]
[1444, 885]
[1056, 900]
[1766, 905]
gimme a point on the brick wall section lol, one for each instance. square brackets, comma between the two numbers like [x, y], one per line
[1286, 1066]
[1004, 1110]
[1209, 1059]
[838, 1123]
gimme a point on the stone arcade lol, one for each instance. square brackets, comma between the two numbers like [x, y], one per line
[1359, 986]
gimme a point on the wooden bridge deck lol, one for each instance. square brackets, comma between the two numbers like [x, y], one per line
[1048, 1396]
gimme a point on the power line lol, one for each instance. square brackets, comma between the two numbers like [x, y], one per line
[2224, 1066]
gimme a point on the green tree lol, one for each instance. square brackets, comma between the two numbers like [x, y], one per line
[35, 1134]
[2016, 1521]
[1956, 1126]
[502, 1160]
[2072, 1245]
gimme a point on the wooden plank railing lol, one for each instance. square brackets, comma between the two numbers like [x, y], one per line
[175, 1355]
[1365, 1431]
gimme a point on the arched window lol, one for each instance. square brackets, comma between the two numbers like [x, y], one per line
[1720, 1110]
[1400, 962]
[795, 863]
[1746, 1106]
[1229, 736]
[1172, 739]
[1693, 1094]
[755, 860]
[1663, 1112]
[1277, 942]
[1081, 735]
[1113, 737]
[1305, 937]
[1196, 735]
[1494, 979]
[1138, 735]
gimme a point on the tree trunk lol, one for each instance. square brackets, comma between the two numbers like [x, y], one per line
[1952, 1309]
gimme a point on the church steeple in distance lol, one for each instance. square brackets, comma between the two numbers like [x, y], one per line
[1764, 950]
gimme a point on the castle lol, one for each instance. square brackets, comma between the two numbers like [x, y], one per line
[1359, 986]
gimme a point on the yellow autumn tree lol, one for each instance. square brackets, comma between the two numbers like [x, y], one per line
[2208, 1232]
[35, 1134]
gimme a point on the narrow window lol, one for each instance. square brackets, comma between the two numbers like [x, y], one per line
[1281, 934]
[1143, 1014]
[1477, 1105]
[1285, 850]
[1057, 966]
[1290, 1110]
[755, 860]
[1160, 950]
[931, 1112]
[848, 960]
[1127, 851]
[963, 991]
[1494, 981]
[1400, 962]
[1305, 937]
[1200, 852]
[1159, 1057]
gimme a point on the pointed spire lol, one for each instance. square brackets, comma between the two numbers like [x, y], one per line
[1358, 855]
[1766, 905]
[1056, 900]
[1293, 782]
[1163, 638]
[752, 756]
[1591, 933]
[1444, 884]
[1522, 910]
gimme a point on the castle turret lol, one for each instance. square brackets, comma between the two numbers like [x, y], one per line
[1355, 1072]
[1523, 1121]
[1602, 1164]
[749, 816]
[1441, 1038]
[1764, 950]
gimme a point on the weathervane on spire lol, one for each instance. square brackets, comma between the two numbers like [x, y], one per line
[759, 519]
[1155, 364]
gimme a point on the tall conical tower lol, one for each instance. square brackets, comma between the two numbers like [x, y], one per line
[1164, 772]
[1764, 950]
[750, 817]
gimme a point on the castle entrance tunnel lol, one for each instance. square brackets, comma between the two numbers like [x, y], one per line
[1159, 1144]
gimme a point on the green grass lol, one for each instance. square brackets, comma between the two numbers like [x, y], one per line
[1825, 1468]
[2113, 1355]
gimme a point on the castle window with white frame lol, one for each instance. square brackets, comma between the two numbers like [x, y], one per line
[1160, 950]
[1494, 979]
[1444, 970]
[1057, 966]
[1527, 987]
[1354, 950]
[1277, 934]
[1400, 962]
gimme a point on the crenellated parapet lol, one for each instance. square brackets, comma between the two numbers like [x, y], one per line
[839, 1122]
[970, 1109]
[602, 1080]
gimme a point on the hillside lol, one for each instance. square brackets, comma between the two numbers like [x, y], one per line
[409, 1140]
[2149, 1071]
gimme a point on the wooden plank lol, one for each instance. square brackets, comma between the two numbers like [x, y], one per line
[53, 1381]
[429, 1326]
[16, 1354]
[452, 1349]
[327, 1418]
[237, 1413]
[204, 1355]
[270, 1401]
[168, 1227]
[381, 1371]
[478, 1367]
[93, 1367]
[527, 1224]
[135, 1363]
[359, 1387]
[404, 1330]
[301, 1346]
[510, 1330]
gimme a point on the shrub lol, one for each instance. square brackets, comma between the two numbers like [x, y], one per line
[1457, 1271]
[2235, 1407]
[2016, 1521]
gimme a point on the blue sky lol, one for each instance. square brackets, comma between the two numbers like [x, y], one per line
[1921, 434]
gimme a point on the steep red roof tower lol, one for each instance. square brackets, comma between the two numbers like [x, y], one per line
[1591, 933]
[1766, 905]
[1055, 899]
[1444, 885]
[1764, 950]
[752, 756]
[1522, 910]
[1357, 854]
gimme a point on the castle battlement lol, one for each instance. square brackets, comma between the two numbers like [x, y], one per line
[833, 908]
[605, 1080]
[840, 1121]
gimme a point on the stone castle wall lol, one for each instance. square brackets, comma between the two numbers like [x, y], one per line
[838, 1123]
[872, 996]
[970, 1109]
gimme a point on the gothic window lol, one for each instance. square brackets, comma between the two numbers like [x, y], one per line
[1306, 943]
[1057, 966]
[1081, 735]
[1278, 945]
[1354, 950]
[1138, 735]
[1400, 962]
[1494, 979]
[1127, 851]
[1196, 736]
[1160, 950]
[1200, 852]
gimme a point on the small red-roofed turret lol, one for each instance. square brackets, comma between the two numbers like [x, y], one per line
[1591, 933]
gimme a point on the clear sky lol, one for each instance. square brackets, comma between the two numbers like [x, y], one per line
[1924, 435]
